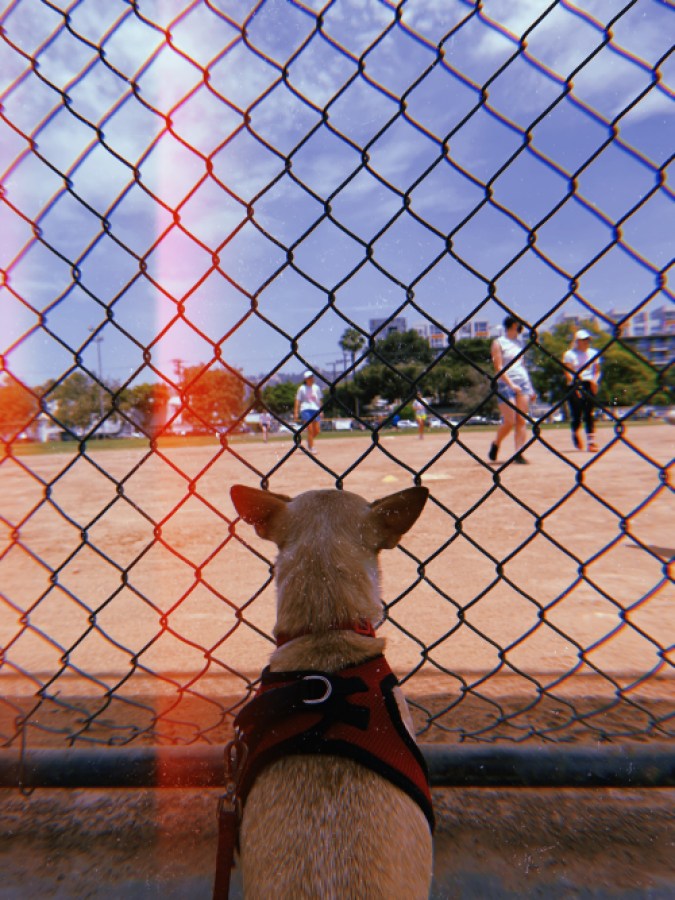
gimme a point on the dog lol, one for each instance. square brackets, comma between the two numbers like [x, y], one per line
[319, 823]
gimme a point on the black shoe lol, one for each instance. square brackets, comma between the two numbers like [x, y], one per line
[576, 441]
[521, 460]
[493, 451]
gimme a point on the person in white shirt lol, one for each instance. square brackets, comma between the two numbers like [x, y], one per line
[420, 411]
[265, 424]
[307, 408]
[582, 371]
[514, 388]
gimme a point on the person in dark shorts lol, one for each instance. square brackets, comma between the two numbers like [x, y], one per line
[307, 408]
[582, 371]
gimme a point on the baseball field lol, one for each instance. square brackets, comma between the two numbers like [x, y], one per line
[541, 593]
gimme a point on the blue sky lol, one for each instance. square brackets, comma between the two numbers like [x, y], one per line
[243, 176]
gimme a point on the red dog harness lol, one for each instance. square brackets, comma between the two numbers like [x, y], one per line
[352, 713]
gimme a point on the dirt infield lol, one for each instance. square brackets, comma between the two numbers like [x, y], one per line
[501, 586]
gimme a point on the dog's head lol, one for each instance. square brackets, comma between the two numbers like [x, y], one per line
[328, 544]
[319, 516]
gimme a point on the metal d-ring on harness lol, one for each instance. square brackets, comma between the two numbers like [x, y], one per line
[229, 815]
[308, 701]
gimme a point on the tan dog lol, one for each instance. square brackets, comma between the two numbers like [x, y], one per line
[322, 826]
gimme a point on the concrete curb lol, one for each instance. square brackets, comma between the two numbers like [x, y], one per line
[532, 843]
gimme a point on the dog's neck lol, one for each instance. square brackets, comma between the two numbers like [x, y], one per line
[358, 626]
[327, 651]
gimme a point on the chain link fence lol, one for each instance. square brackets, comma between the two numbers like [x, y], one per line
[216, 187]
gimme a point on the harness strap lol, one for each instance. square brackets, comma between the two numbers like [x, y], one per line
[320, 693]
[309, 712]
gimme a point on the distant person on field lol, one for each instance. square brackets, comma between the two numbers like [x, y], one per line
[307, 408]
[582, 371]
[514, 388]
[265, 424]
[420, 411]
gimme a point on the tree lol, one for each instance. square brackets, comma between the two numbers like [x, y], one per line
[666, 380]
[351, 342]
[279, 398]
[145, 405]
[626, 379]
[213, 397]
[462, 375]
[405, 364]
[475, 350]
[347, 398]
[476, 394]
[75, 403]
[18, 408]
[403, 347]
[397, 369]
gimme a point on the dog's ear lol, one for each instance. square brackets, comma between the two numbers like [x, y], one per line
[258, 508]
[392, 516]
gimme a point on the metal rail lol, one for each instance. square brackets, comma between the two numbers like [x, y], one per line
[634, 766]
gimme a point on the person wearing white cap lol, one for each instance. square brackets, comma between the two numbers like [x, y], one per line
[307, 407]
[582, 371]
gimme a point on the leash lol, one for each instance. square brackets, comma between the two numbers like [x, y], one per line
[229, 816]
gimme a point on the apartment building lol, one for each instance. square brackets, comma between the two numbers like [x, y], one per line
[650, 331]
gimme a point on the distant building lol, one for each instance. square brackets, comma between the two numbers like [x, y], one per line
[45, 428]
[383, 327]
[438, 340]
[476, 328]
[663, 319]
[650, 332]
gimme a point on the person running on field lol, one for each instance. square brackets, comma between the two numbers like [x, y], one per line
[420, 413]
[514, 388]
[582, 371]
[307, 408]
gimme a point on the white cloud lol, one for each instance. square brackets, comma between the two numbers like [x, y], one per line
[202, 119]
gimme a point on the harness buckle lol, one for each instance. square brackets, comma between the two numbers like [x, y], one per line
[327, 692]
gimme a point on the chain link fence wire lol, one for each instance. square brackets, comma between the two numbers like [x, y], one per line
[227, 181]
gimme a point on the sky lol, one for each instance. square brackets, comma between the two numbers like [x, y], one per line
[243, 181]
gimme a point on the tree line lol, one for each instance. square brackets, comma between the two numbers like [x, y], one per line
[461, 376]
[212, 399]
[394, 368]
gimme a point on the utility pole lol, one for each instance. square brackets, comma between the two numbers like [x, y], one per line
[178, 369]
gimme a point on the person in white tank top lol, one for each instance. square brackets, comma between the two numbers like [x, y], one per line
[307, 408]
[514, 388]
